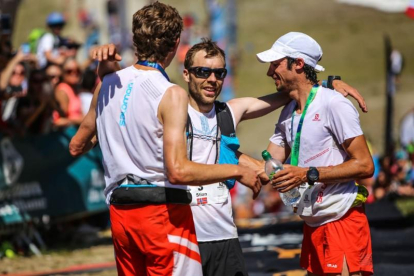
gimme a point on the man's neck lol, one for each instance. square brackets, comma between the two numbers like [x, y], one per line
[300, 95]
[164, 63]
[199, 107]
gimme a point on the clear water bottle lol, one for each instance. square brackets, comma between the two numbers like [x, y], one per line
[272, 166]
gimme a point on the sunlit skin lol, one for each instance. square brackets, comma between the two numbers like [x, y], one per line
[204, 92]
[278, 70]
[71, 73]
[54, 72]
[18, 75]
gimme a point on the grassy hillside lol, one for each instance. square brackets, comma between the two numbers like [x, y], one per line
[351, 38]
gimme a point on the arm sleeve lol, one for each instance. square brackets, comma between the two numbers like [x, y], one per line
[343, 119]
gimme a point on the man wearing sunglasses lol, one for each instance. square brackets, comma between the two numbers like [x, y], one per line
[204, 72]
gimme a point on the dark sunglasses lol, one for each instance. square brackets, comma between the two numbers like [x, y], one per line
[205, 72]
[59, 26]
[51, 77]
[22, 73]
[72, 71]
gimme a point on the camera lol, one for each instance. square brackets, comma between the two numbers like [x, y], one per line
[12, 89]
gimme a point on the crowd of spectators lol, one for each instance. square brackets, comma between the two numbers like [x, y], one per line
[42, 85]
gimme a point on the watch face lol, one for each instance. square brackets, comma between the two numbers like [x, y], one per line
[313, 175]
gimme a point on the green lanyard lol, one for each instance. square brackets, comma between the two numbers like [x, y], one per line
[294, 157]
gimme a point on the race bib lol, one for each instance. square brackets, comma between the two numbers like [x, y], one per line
[216, 193]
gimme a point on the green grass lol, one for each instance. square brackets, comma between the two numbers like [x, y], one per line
[351, 38]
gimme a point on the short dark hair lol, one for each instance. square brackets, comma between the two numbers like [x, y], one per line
[156, 28]
[310, 72]
[206, 44]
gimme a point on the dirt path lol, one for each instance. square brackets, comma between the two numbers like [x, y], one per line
[60, 260]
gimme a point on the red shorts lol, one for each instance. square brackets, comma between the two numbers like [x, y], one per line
[155, 240]
[324, 247]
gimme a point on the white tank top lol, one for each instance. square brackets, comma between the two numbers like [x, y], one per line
[129, 132]
[211, 205]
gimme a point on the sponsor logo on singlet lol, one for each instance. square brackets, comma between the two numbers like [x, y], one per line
[124, 105]
[316, 117]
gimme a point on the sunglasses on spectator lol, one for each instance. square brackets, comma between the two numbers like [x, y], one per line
[58, 26]
[51, 77]
[72, 71]
[22, 73]
[205, 72]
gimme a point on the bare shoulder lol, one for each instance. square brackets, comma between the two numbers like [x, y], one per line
[176, 92]
[175, 98]
[173, 104]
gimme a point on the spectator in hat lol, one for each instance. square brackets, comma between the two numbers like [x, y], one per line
[48, 45]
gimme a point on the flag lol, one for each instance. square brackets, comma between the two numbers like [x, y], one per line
[410, 9]
[202, 200]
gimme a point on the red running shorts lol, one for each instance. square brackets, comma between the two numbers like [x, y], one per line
[155, 240]
[324, 247]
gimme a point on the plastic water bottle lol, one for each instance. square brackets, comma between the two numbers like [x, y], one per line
[272, 166]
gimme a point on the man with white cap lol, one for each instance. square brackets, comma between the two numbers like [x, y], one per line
[320, 130]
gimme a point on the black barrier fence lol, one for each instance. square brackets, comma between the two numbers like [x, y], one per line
[39, 180]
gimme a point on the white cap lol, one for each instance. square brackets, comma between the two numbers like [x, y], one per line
[294, 45]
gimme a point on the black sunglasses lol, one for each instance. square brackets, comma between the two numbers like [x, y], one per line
[205, 72]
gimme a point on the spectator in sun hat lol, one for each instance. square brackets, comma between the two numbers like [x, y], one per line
[48, 45]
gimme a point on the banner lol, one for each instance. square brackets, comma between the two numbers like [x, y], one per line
[39, 177]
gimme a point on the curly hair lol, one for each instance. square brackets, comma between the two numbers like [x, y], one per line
[156, 28]
[206, 44]
[310, 72]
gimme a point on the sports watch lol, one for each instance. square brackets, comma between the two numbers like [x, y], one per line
[312, 175]
[330, 81]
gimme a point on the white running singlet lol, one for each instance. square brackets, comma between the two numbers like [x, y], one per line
[129, 132]
[211, 205]
[330, 120]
